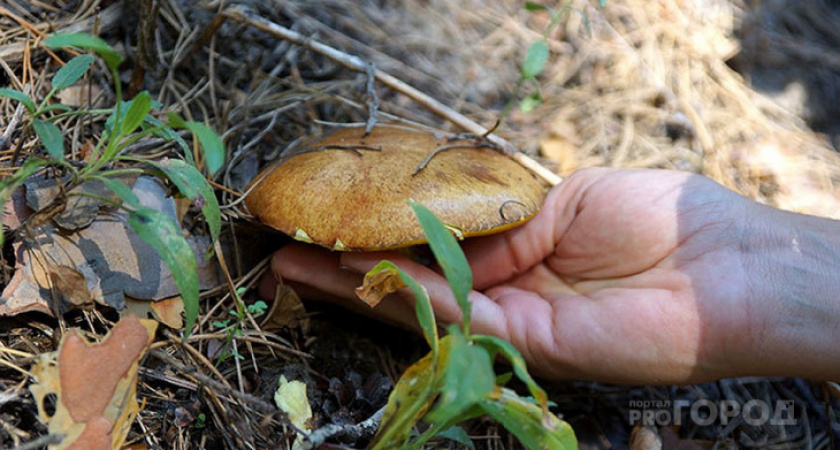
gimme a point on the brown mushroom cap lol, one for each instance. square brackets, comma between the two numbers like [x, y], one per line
[347, 191]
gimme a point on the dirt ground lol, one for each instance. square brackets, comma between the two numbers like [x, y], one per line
[744, 92]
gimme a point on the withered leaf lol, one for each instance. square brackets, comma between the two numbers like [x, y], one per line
[95, 385]
[379, 285]
[71, 284]
[286, 310]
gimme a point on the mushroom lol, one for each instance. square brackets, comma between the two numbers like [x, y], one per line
[348, 190]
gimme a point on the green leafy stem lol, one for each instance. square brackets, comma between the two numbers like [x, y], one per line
[456, 381]
[127, 123]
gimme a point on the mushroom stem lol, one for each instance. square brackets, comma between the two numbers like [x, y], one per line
[243, 15]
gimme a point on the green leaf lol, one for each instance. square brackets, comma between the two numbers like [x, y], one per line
[138, 109]
[192, 185]
[72, 71]
[19, 96]
[258, 307]
[175, 120]
[602, 3]
[51, 137]
[467, 379]
[121, 189]
[531, 6]
[528, 423]
[535, 60]
[413, 395]
[166, 132]
[85, 41]
[211, 144]
[449, 257]
[495, 345]
[457, 434]
[422, 305]
[161, 232]
[530, 102]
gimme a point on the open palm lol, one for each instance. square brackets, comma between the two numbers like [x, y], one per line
[625, 276]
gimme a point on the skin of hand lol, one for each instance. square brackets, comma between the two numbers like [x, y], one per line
[630, 276]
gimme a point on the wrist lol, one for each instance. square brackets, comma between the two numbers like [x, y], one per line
[793, 269]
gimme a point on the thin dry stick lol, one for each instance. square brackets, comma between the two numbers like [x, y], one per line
[18, 115]
[357, 64]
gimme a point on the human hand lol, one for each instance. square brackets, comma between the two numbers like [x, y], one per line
[635, 276]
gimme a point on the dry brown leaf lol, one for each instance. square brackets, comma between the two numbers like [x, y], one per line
[95, 385]
[79, 94]
[286, 310]
[379, 285]
[169, 311]
[71, 284]
[115, 262]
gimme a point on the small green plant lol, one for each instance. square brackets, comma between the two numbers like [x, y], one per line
[127, 122]
[456, 381]
[200, 421]
[234, 328]
[537, 57]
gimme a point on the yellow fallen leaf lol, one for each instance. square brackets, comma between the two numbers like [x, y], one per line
[291, 398]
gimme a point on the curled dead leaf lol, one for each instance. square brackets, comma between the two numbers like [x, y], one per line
[379, 285]
[286, 310]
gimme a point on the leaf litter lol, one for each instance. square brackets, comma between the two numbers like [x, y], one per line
[105, 257]
[631, 93]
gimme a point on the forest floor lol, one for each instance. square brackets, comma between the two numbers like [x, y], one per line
[742, 92]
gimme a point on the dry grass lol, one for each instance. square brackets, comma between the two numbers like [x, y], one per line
[647, 85]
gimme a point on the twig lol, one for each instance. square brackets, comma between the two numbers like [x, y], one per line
[355, 432]
[107, 19]
[40, 442]
[355, 63]
[254, 402]
[10, 129]
[372, 99]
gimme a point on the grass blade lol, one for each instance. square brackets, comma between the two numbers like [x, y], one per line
[192, 184]
[495, 345]
[136, 112]
[449, 257]
[122, 190]
[211, 145]
[467, 379]
[161, 232]
[422, 305]
[527, 422]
